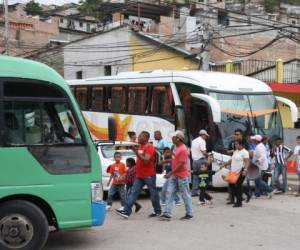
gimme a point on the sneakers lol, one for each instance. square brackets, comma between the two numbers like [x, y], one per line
[186, 217]
[270, 195]
[108, 208]
[137, 208]
[297, 194]
[201, 203]
[248, 198]
[277, 191]
[179, 203]
[153, 215]
[122, 213]
[165, 217]
[163, 204]
[237, 205]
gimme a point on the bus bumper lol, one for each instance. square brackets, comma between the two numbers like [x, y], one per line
[98, 213]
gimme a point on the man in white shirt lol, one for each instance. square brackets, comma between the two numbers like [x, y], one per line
[260, 159]
[199, 154]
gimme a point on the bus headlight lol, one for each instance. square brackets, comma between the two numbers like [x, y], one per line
[97, 191]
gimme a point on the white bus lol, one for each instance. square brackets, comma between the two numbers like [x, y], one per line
[185, 100]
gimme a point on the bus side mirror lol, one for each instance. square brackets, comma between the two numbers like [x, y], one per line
[112, 129]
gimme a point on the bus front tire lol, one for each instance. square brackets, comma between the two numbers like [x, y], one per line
[23, 226]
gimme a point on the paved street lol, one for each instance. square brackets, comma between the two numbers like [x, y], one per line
[261, 224]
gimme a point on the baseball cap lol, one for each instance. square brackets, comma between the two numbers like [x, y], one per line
[203, 132]
[256, 137]
[178, 134]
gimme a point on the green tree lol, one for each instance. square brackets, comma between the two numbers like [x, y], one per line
[271, 6]
[33, 8]
[91, 8]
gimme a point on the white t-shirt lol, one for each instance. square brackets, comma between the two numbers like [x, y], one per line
[198, 145]
[237, 159]
[260, 157]
[297, 152]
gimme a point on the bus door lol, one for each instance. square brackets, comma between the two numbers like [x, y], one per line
[200, 117]
[205, 111]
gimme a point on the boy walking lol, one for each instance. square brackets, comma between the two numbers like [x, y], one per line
[166, 162]
[117, 176]
[204, 177]
[129, 179]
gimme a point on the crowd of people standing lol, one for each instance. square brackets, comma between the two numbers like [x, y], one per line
[246, 155]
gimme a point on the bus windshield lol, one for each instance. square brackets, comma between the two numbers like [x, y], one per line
[256, 114]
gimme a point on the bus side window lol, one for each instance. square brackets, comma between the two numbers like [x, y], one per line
[162, 101]
[118, 99]
[97, 99]
[81, 96]
[137, 97]
[27, 123]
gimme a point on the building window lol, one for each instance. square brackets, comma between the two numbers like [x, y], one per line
[223, 18]
[71, 24]
[61, 20]
[88, 27]
[81, 24]
[79, 74]
[107, 70]
[219, 1]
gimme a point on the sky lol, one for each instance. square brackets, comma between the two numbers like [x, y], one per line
[48, 2]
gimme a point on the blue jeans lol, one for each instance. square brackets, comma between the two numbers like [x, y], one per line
[195, 177]
[181, 184]
[137, 187]
[280, 169]
[261, 186]
[116, 189]
[163, 194]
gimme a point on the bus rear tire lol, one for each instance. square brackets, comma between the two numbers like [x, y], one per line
[23, 226]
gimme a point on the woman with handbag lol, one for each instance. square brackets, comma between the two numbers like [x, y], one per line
[238, 163]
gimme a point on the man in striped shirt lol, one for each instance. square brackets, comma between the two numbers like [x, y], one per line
[281, 153]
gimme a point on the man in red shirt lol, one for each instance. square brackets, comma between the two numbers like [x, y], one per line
[179, 178]
[145, 175]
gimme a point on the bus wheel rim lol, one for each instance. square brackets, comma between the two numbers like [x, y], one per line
[16, 231]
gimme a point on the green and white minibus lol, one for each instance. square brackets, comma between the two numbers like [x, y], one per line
[50, 170]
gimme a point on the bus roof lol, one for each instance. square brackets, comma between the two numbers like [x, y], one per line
[27, 69]
[210, 80]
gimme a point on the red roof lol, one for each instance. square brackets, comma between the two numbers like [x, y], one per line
[285, 87]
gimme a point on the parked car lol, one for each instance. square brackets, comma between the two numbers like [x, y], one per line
[106, 153]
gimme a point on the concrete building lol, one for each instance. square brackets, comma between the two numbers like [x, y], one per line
[27, 33]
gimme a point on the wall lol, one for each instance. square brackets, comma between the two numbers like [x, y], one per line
[151, 57]
[110, 47]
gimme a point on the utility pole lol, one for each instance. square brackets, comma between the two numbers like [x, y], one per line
[6, 27]
[205, 52]
[206, 39]
[139, 15]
